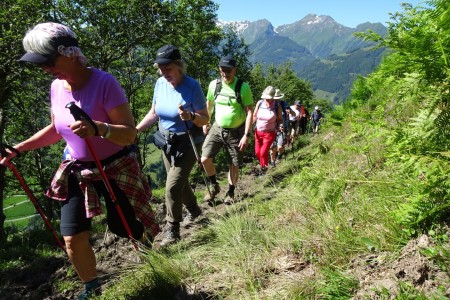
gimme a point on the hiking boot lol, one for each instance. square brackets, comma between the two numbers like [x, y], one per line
[262, 172]
[171, 234]
[229, 199]
[192, 214]
[214, 189]
[145, 242]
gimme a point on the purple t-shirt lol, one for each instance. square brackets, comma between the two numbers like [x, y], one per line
[101, 94]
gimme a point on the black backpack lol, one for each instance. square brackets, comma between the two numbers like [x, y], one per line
[237, 90]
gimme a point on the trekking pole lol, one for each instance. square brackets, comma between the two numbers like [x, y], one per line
[79, 114]
[27, 190]
[197, 156]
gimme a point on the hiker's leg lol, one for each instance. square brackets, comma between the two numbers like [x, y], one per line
[115, 222]
[178, 190]
[81, 255]
[208, 165]
[273, 153]
[233, 175]
[75, 228]
[258, 144]
[211, 146]
[268, 138]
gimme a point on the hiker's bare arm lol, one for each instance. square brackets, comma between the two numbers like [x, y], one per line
[248, 128]
[44, 137]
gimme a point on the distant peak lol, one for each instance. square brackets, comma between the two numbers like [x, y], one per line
[238, 26]
[312, 19]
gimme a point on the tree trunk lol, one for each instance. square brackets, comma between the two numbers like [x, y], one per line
[3, 92]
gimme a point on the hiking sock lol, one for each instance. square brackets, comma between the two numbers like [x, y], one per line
[213, 179]
[231, 190]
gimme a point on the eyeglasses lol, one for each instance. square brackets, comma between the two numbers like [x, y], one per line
[226, 70]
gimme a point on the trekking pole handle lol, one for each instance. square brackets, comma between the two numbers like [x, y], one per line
[3, 152]
[180, 107]
[79, 114]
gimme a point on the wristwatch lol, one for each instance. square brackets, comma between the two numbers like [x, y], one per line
[107, 132]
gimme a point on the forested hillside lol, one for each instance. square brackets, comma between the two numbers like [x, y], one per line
[358, 211]
[320, 50]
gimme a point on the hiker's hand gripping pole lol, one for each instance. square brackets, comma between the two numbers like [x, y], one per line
[197, 156]
[27, 190]
[79, 114]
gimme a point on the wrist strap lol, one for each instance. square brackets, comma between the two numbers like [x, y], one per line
[12, 149]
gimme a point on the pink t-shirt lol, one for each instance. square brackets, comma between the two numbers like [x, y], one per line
[101, 93]
[266, 117]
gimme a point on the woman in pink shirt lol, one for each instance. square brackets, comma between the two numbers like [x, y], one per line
[78, 183]
[268, 117]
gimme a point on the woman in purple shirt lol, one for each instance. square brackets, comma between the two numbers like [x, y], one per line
[78, 183]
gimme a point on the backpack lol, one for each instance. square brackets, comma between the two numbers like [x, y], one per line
[237, 90]
[275, 110]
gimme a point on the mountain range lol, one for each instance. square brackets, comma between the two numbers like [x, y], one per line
[321, 51]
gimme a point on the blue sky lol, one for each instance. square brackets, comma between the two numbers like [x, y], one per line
[349, 13]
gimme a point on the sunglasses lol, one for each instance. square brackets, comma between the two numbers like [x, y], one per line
[50, 62]
[226, 70]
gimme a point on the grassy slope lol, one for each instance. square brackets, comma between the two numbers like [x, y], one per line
[297, 233]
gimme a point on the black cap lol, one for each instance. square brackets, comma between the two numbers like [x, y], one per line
[167, 54]
[38, 58]
[227, 61]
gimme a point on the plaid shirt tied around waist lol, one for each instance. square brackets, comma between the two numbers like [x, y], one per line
[127, 174]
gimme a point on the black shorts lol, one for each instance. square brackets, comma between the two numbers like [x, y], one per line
[73, 211]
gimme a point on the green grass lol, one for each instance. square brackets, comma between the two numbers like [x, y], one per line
[296, 235]
[18, 206]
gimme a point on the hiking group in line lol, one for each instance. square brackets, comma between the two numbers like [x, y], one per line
[185, 135]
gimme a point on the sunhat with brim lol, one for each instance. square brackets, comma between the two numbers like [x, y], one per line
[278, 95]
[269, 93]
[38, 58]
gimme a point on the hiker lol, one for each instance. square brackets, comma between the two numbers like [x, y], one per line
[78, 183]
[316, 117]
[303, 120]
[294, 121]
[172, 89]
[268, 118]
[232, 101]
[278, 146]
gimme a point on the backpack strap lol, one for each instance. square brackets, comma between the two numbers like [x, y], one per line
[237, 91]
[218, 87]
